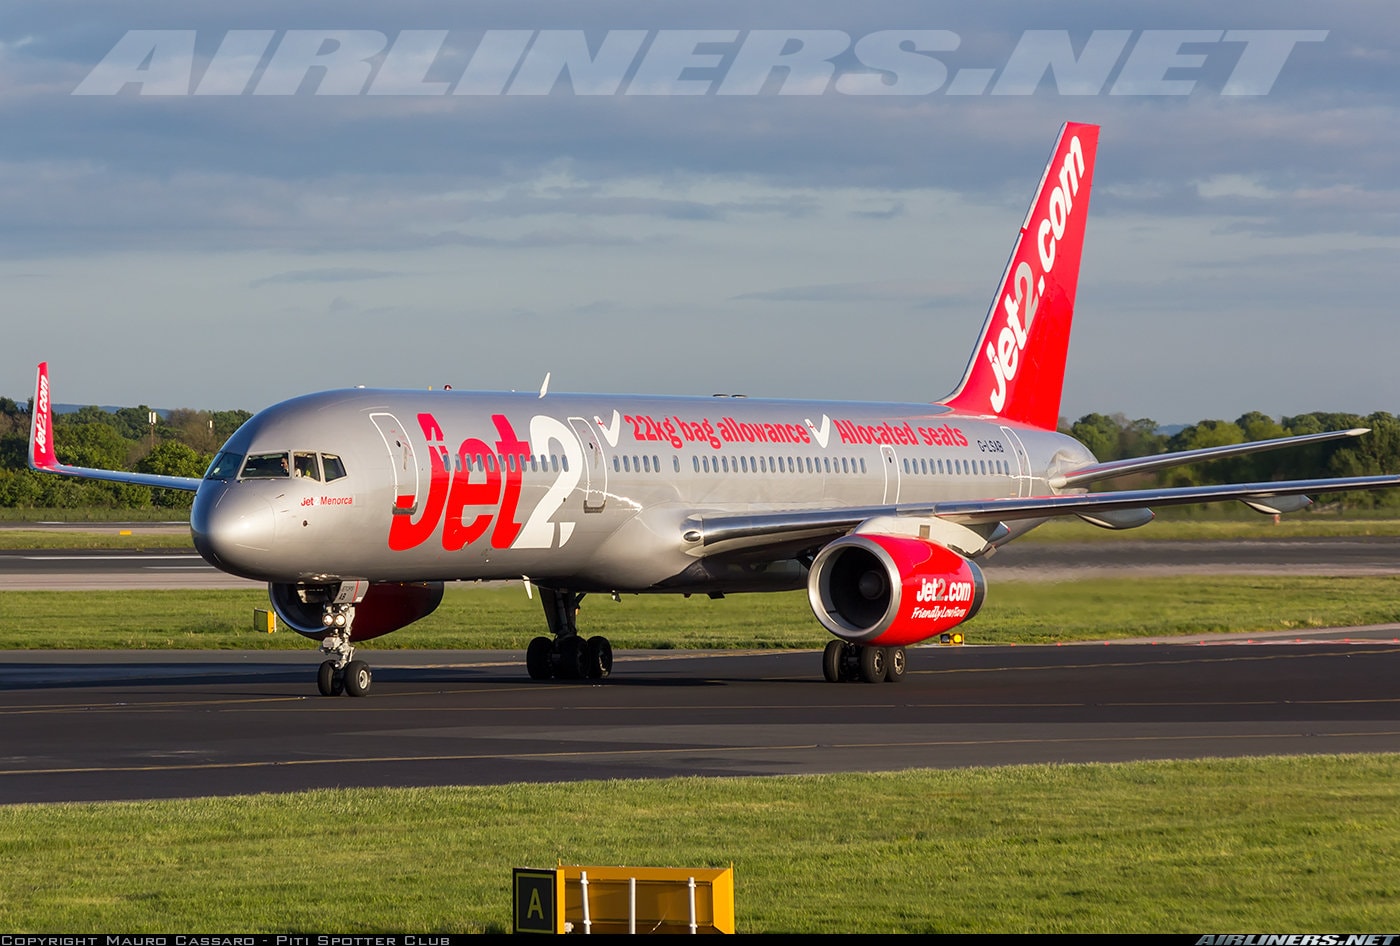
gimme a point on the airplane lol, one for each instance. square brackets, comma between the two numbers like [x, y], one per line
[357, 505]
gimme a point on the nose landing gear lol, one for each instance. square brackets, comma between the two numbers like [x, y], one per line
[341, 673]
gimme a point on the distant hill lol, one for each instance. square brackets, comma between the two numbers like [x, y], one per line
[73, 408]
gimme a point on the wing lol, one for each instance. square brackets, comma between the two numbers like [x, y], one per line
[43, 458]
[733, 533]
[1114, 468]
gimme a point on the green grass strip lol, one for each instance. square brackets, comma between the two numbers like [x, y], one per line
[1172, 525]
[487, 617]
[1294, 845]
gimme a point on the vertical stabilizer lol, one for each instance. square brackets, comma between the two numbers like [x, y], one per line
[41, 451]
[1017, 370]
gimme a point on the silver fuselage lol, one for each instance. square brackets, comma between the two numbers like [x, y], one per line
[589, 492]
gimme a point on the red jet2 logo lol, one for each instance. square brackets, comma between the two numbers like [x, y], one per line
[488, 482]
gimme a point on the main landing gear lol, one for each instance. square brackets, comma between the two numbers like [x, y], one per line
[341, 673]
[843, 661]
[568, 656]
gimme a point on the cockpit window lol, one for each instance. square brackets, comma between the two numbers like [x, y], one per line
[304, 465]
[224, 467]
[334, 468]
[265, 466]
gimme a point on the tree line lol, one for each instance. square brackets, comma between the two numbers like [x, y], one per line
[180, 443]
[1114, 437]
[183, 443]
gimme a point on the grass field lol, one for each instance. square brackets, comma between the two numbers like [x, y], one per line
[486, 617]
[1296, 845]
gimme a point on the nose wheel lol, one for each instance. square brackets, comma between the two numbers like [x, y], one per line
[341, 673]
[354, 679]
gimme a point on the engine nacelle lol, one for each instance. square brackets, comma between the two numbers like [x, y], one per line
[379, 608]
[892, 590]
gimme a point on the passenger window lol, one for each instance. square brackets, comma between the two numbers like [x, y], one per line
[265, 466]
[333, 467]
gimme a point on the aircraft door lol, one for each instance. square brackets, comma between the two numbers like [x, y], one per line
[595, 465]
[891, 465]
[402, 461]
[1023, 462]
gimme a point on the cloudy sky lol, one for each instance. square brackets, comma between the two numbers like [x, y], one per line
[223, 205]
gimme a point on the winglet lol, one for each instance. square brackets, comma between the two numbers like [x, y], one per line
[41, 452]
[44, 459]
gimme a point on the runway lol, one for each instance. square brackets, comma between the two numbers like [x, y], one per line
[127, 725]
[100, 726]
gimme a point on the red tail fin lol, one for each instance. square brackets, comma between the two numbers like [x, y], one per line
[41, 452]
[1018, 367]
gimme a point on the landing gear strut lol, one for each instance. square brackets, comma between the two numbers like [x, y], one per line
[341, 673]
[843, 661]
[568, 656]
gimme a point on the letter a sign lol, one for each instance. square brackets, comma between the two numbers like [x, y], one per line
[535, 907]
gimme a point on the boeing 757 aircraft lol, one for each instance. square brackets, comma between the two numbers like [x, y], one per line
[355, 506]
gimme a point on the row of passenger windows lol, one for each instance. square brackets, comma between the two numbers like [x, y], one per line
[823, 465]
[635, 463]
[923, 466]
[510, 463]
[329, 467]
[749, 464]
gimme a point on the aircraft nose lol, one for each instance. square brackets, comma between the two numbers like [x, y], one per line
[233, 529]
